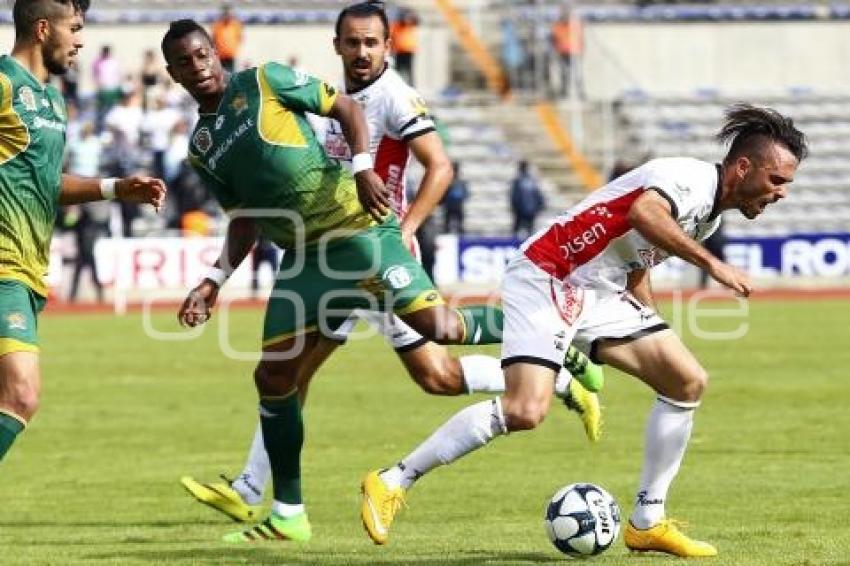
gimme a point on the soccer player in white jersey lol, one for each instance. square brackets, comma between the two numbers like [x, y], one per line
[585, 279]
[399, 125]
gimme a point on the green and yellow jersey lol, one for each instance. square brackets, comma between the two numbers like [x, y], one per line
[32, 140]
[258, 152]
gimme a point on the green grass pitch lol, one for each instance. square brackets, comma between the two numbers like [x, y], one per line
[95, 478]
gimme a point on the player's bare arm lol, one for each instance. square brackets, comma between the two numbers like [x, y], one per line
[240, 239]
[135, 188]
[428, 150]
[370, 189]
[651, 216]
[638, 284]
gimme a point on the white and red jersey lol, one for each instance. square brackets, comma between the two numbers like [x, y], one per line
[593, 245]
[395, 114]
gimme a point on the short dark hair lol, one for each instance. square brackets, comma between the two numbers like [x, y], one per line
[179, 29]
[364, 10]
[26, 12]
[749, 128]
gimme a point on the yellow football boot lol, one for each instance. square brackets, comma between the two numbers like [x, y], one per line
[666, 537]
[379, 506]
[221, 497]
[586, 404]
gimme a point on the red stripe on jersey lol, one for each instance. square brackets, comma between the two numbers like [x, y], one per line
[391, 160]
[566, 247]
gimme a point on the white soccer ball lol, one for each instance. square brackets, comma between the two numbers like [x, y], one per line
[582, 519]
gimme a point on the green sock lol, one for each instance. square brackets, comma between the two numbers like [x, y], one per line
[10, 428]
[283, 434]
[483, 324]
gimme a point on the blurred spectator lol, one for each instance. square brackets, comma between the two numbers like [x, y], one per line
[89, 222]
[107, 79]
[227, 37]
[567, 43]
[156, 126]
[403, 33]
[70, 82]
[150, 76]
[513, 55]
[264, 252]
[127, 118]
[121, 158]
[526, 201]
[177, 152]
[453, 202]
[73, 131]
[84, 155]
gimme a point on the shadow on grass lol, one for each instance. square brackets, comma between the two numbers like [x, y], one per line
[266, 554]
[110, 524]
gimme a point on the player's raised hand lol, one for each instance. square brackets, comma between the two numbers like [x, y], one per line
[732, 277]
[372, 194]
[197, 307]
[142, 190]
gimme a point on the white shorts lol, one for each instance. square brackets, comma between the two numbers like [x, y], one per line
[544, 315]
[397, 332]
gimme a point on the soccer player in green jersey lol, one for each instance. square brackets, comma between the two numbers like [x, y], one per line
[399, 125]
[32, 186]
[256, 151]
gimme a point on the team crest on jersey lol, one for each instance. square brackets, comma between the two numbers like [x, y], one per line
[27, 97]
[398, 277]
[203, 140]
[239, 104]
[16, 321]
[219, 122]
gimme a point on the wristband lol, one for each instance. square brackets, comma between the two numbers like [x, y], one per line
[107, 188]
[216, 275]
[361, 162]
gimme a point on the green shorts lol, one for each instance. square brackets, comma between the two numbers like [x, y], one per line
[19, 308]
[317, 287]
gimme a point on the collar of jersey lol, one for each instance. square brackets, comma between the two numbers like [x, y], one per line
[370, 83]
[220, 102]
[33, 78]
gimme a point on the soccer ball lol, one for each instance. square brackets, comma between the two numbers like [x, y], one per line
[582, 519]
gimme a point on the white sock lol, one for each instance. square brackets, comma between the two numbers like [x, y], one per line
[467, 430]
[287, 510]
[562, 382]
[482, 374]
[251, 483]
[667, 433]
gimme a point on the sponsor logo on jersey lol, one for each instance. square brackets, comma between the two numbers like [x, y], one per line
[45, 103]
[587, 238]
[16, 321]
[398, 277]
[301, 78]
[228, 143]
[38, 122]
[219, 122]
[239, 104]
[57, 108]
[203, 140]
[27, 98]
[329, 90]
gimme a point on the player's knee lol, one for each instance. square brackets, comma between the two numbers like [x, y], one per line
[271, 384]
[524, 416]
[24, 400]
[441, 377]
[693, 386]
